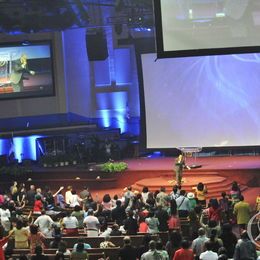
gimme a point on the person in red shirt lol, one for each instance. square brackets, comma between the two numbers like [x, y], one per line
[185, 253]
[3, 241]
[215, 211]
[143, 227]
[38, 205]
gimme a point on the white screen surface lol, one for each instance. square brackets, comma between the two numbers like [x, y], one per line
[202, 101]
[207, 24]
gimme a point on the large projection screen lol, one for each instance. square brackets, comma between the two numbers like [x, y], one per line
[199, 27]
[207, 101]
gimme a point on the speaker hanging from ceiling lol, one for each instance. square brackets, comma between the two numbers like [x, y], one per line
[96, 45]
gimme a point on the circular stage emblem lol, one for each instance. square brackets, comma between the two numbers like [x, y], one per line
[253, 229]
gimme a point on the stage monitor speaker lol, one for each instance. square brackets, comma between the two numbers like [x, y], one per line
[96, 45]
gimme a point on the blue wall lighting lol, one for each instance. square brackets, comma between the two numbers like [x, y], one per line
[22, 147]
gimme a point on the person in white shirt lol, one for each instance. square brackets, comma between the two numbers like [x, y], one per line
[70, 224]
[183, 204]
[68, 195]
[209, 254]
[92, 224]
[75, 200]
[44, 222]
[5, 217]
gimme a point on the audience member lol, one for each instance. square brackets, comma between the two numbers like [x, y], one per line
[144, 194]
[183, 205]
[92, 224]
[161, 251]
[118, 213]
[70, 224]
[198, 244]
[152, 253]
[153, 223]
[131, 226]
[127, 252]
[3, 241]
[192, 200]
[115, 231]
[79, 214]
[79, 253]
[174, 243]
[208, 254]
[21, 235]
[235, 193]
[242, 212]
[216, 242]
[68, 195]
[224, 204]
[144, 247]
[30, 195]
[162, 198]
[62, 248]
[5, 216]
[81, 241]
[45, 223]
[200, 194]
[184, 253]
[36, 238]
[245, 249]
[162, 217]
[107, 243]
[39, 254]
[229, 239]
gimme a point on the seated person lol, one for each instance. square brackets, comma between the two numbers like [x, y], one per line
[80, 253]
[81, 241]
[115, 231]
[107, 243]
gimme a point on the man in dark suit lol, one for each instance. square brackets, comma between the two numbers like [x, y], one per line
[20, 67]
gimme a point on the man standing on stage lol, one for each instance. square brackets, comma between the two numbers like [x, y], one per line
[179, 166]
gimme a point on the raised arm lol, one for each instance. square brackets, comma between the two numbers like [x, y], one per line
[56, 193]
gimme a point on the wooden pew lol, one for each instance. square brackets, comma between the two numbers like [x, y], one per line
[94, 253]
[94, 242]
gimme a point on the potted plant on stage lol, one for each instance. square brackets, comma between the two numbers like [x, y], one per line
[114, 167]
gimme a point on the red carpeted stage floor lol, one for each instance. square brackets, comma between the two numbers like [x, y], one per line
[216, 172]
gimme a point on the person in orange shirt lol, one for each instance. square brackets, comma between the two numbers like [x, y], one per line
[200, 193]
[185, 253]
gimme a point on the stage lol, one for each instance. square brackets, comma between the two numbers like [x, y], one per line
[216, 172]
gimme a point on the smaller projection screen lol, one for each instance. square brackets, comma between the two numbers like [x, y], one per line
[206, 27]
[204, 101]
[26, 71]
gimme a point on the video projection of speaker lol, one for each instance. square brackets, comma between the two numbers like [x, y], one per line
[199, 27]
[26, 71]
[205, 101]
[96, 45]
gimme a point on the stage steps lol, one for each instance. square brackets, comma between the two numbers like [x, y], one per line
[215, 183]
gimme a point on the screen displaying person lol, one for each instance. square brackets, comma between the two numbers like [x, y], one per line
[19, 70]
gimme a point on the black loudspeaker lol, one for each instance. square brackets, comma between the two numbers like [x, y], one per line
[96, 45]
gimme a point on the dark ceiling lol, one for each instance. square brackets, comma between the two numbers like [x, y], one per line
[50, 15]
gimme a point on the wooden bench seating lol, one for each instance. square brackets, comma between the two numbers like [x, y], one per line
[94, 253]
[117, 240]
